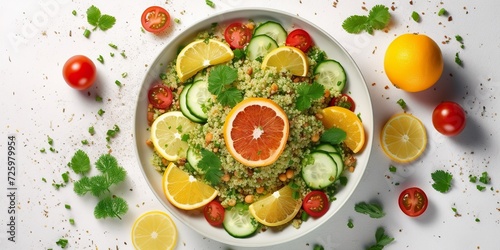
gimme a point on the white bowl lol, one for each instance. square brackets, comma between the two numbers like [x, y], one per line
[356, 87]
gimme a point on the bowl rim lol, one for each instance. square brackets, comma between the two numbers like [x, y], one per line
[205, 23]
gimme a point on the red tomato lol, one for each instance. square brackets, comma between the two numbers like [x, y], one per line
[237, 35]
[299, 38]
[214, 213]
[413, 201]
[79, 72]
[160, 96]
[344, 101]
[316, 203]
[155, 19]
[449, 118]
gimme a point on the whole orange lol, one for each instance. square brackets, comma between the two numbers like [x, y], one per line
[413, 62]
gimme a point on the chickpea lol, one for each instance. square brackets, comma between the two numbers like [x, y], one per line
[327, 93]
[319, 116]
[164, 161]
[282, 177]
[231, 202]
[274, 88]
[226, 177]
[260, 190]
[289, 173]
[315, 138]
[249, 71]
[249, 198]
[149, 143]
[208, 138]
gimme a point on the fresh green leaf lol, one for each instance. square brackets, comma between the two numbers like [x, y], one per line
[392, 169]
[381, 240]
[484, 178]
[458, 60]
[210, 164]
[62, 242]
[472, 178]
[106, 162]
[355, 24]
[91, 130]
[230, 97]
[373, 210]
[350, 224]
[110, 207]
[80, 162]
[96, 185]
[65, 177]
[442, 11]
[106, 22]
[307, 93]
[402, 103]
[415, 16]
[210, 3]
[93, 15]
[442, 180]
[480, 187]
[379, 17]
[219, 77]
[318, 247]
[333, 136]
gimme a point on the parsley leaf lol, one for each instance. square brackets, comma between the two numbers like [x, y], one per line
[307, 93]
[442, 180]
[96, 185]
[210, 164]
[108, 165]
[484, 178]
[110, 207]
[219, 83]
[381, 239]
[62, 242]
[80, 162]
[333, 136]
[415, 16]
[96, 19]
[377, 19]
[373, 210]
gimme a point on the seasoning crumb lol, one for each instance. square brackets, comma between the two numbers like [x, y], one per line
[450, 18]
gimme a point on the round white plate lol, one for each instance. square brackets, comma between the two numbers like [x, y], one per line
[356, 87]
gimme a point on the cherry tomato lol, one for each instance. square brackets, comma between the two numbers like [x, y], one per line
[237, 35]
[79, 72]
[449, 118]
[300, 39]
[344, 101]
[160, 96]
[214, 213]
[155, 19]
[413, 201]
[316, 203]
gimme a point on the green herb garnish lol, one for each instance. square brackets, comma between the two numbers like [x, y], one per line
[80, 162]
[96, 19]
[458, 60]
[67, 206]
[210, 164]
[442, 180]
[118, 83]
[113, 46]
[98, 98]
[220, 84]
[373, 210]
[402, 104]
[73, 12]
[381, 240]
[307, 93]
[480, 187]
[333, 136]
[91, 130]
[484, 178]
[377, 19]
[392, 169]
[210, 3]
[86, 33]
[441, 12]
[100, 59]
[101, 112]
[350, 224]
[110, 207]
[62, 242]
[415, 16]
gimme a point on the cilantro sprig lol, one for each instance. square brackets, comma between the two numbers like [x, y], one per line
[307, 93]
[381, 240]
[373, 210]
[98, 20]
[220, 82]
[211, 165]
[377, 19]
[442, 180]
[333, 136]
[80, 162]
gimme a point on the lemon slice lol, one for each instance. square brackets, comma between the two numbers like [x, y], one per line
[403, 138]
[289, 58]
[276, 209]
[348, 121]
[184, 191]
[168, 133]
[199, 55]
[154, 230]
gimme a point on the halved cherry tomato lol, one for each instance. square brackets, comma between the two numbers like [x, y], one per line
[214, 213]
[237, 35]
[344, 101]
[413, 201]
[449, 118]
[155, 19]
[160, 96]
[300, 39]
[316, 203]
[79, 72]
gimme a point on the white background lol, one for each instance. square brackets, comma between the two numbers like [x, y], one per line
[37, 37]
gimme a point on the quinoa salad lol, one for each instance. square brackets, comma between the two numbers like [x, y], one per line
[240, 184]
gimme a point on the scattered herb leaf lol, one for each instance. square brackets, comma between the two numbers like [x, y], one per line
[307, 93]
[111, 207]
[80, 162]
[96, 19]
[62, 242]
[442, 180]
[377, 19]
[219, 83]
[442, 12]
[381, 240]
[484, 178]
[210, 3]
[210, 164]
[458, 60]
[415, 16]
[350, 224]
[392, 169]
[333, 136]
[373, 210]
[402, 104]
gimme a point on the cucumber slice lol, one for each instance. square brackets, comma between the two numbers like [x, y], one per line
[321, 172]
[196, 99]
[193, 157]
[259, 46]
[331, 74]
[183, 104]
[272, 29]
[238, 222]
[327, 147]
[339, 161]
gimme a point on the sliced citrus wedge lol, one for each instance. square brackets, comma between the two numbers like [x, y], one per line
[256, 131]
[154, 230]
[200, 54]
[168, 132]
[184, 191]
[348, 121]
[289, 58]
[403, 138]
[277, 208]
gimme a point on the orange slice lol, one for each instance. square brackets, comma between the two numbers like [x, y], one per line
[199, 55]
[154, 230]
[403, 138]
[348, 121]
[184, 191]
[276, 209]
[256, 131]
[290, 58]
